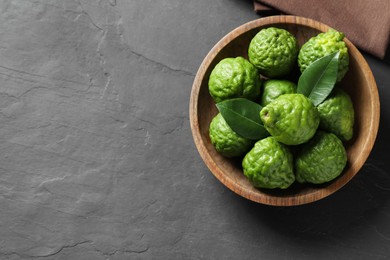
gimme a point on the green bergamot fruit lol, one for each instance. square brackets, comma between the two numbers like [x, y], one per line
[292, 119]
[321, 159]
[273, 51]
[273, 88]
[337, 114]
[269, 165]
[225, 140]
[322, 45]
[233, 78]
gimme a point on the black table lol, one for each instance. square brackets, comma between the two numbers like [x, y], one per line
[97, 159]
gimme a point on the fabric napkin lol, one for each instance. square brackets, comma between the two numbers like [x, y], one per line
[365, 23]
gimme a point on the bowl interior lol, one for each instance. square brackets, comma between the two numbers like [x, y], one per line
[358, 82]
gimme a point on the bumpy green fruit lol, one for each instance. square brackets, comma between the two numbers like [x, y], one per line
[225, 140]
[274, 88]
[337, 114]
[233, 78]
[273, 51]
[322, 159]
[292, 119]
[269, 165]
[324, 44]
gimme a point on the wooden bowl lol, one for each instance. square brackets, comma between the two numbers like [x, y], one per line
[358, 82]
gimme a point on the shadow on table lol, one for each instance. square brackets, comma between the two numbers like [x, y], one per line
[387, 56]
[342, 214]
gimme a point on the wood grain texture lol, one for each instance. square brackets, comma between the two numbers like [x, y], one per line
[358, 82]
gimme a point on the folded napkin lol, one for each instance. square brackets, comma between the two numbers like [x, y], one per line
[365, 23]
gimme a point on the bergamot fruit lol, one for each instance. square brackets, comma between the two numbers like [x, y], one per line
[225, 140]
[269, 164]
[273, 51]
[233, 78]
[322, 45]
[337, 114]
[273, 88]
[321, 159]
[292, 119]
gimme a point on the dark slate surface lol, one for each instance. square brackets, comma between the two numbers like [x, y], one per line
[97, 159]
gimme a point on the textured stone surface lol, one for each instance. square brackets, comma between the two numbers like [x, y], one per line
[96, 154]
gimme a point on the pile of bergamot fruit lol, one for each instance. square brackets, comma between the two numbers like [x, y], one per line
[304, 140]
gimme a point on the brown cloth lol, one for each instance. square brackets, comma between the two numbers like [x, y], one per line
[365, 22]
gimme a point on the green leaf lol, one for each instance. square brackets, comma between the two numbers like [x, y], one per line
[243, 117]
[319, 78]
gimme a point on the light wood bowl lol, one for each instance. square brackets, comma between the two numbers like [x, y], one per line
[358, 82]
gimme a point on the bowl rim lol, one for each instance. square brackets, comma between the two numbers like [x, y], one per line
[211, 164]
